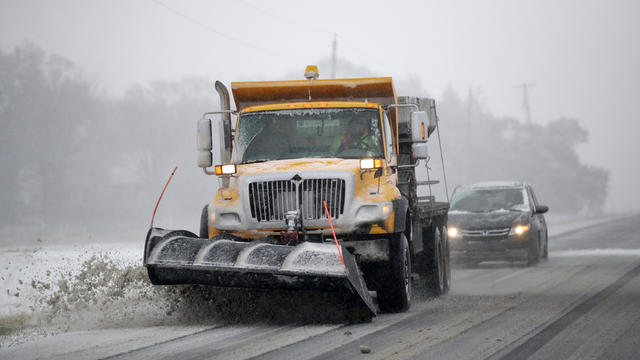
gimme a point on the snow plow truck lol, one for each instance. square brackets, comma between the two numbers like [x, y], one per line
[318, 190]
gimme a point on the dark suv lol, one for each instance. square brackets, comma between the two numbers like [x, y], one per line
[497, 221]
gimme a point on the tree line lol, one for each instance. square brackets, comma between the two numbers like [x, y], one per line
[72, 156]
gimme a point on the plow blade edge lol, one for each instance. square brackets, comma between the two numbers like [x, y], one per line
[180, 257]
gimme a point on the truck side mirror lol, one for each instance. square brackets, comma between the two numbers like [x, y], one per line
[210, 150]
[205, 157]
[419, 126]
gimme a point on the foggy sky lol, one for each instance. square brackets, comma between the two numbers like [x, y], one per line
[582, 56]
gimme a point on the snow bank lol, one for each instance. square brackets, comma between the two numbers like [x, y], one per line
[54, 289]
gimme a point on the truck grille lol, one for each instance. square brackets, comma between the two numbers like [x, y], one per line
[270, 200]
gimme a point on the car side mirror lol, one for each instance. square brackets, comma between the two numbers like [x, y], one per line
[541, 209]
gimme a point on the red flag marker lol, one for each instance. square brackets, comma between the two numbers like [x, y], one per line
[333, 232]
[160, 198]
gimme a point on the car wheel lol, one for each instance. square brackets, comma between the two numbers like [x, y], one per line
[545, 252]
[394, 292]
[533, 255]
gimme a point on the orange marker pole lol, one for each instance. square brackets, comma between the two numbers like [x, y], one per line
[162, 193]
[333, 232]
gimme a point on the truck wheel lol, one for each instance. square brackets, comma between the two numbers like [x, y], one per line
[394, 291]
[436, 277]
[446, 259]
[204, 222]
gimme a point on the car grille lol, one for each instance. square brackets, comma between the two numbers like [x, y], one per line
[485, 232]
[270, 200]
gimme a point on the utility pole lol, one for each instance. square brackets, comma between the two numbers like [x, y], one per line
[334, 56]
[525, 99]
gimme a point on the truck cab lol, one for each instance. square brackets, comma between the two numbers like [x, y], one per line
[294, 156]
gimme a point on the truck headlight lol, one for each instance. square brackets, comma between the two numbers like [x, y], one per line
[386, 210]
[229, 169]
[518, 230]
[370, 163]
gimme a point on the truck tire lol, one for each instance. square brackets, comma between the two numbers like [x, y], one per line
[437, 274]
[204, 222]
[446, 258]
[394, 291]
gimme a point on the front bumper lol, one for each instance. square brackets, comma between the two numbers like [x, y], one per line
[506, 248]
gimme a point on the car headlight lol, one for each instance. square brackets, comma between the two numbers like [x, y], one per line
[453, 232]
[519, 230]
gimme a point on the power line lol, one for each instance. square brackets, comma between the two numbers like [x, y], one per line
[350, 44]
[220, 33]
[295, 23]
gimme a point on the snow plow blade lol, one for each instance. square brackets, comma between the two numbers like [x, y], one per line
[175, 257]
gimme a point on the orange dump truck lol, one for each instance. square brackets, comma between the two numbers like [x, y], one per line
[317, 189]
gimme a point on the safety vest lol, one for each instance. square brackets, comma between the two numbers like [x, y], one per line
[345, 142]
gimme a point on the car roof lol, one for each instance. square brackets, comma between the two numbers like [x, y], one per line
[494, 185]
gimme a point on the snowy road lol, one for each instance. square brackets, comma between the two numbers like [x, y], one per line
[584, 302]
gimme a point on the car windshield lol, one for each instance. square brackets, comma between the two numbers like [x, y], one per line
[348, 133]
[487, 200]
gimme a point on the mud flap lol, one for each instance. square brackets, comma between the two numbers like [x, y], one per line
[180, 257]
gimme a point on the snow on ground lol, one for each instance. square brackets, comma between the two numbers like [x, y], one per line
[559, 224]
[48, 289]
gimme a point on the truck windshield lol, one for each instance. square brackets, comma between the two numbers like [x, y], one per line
[487, 200]
[348, 133]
